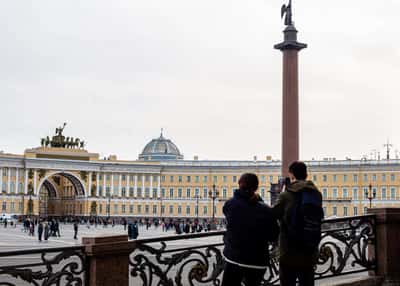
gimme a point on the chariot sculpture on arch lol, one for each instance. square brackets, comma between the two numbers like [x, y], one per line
[60, 141]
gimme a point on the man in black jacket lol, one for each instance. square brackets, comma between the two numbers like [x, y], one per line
[250, 226]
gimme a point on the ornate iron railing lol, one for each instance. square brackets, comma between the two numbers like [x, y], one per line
[347, 246]
[50, 266]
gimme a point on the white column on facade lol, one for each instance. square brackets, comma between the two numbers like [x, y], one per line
[89, 192]
[135, 187]
[16, 180]
[143, 189]
[120, 185]
[159, 186]
[97, 183]
[127, 192]
[26, 182]
[112, 184]
[151, 186]
[104, 184]
[1, 180]
[34, 181]
[8, 180]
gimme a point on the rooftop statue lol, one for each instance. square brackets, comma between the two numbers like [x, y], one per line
[60, 141]
[286, 10]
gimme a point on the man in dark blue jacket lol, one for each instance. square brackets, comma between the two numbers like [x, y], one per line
[250, 227]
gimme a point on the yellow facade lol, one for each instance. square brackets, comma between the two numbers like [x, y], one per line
[63, 182]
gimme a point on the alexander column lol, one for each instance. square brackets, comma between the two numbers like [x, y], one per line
[290, 90]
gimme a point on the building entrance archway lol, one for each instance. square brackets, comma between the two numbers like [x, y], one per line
[58, 193]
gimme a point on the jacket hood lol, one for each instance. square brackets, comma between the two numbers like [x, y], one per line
[247, 195]
[301, 185]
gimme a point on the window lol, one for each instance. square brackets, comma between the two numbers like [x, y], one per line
[324, 178]
[139, 209]
[373, 177]
[271, 179]
[325, 192]
[224, 179]
[334, 193]
[383, 191]
[131, 192]
[355, 211]
[224, 193]
[179, 193]
[188, 178]
[215, 179]
[205, 210]
[163, 178]
[171, 179]
[365, 179]
[234, 179]
[180, 179]
[355, 178]
[188, 192]
[139, 192]
[262, 178]
[205, 179]
[115, 208]
[115, 177]
[20, 206]
[205, 193]
[163, 192]
[392, 177]
[355, 193]
[179, 209]
[123, 191]
[197, 192]
[393, 193]
[334, 211]
[146, 209]
[12, 205]
[197, 179]
[154, 209]
[344, 211]
[123, 177]
[188, 210]
[132, 177]
[314, 177]
[147, 192]
[171, 192]
[171, 209]
[334, 178]
[365, 210]
[147, 178]
[344, 178]
[154, 192]
[100, 208]
[383, 177]
[162, 209]
[108, 177]
[123, 209]
[345, 194]
[131, 209]
[107, 191]
[365, 190]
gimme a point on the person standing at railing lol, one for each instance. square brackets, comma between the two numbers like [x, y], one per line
[299, 211]
[250, 227]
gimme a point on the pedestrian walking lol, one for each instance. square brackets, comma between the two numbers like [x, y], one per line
[299, 211]
[75, 229]
[251, 227]
[40, 231]
[47, 231]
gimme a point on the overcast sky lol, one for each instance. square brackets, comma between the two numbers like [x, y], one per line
[205, 71]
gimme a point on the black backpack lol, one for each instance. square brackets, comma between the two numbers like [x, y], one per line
[304, 220]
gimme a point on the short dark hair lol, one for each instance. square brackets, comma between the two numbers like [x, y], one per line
[299, 170]
[248, 181]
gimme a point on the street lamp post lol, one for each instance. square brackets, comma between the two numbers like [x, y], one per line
[213, 195]
[370, 195]
[161, 210]
[109, 206]
[197, 197]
